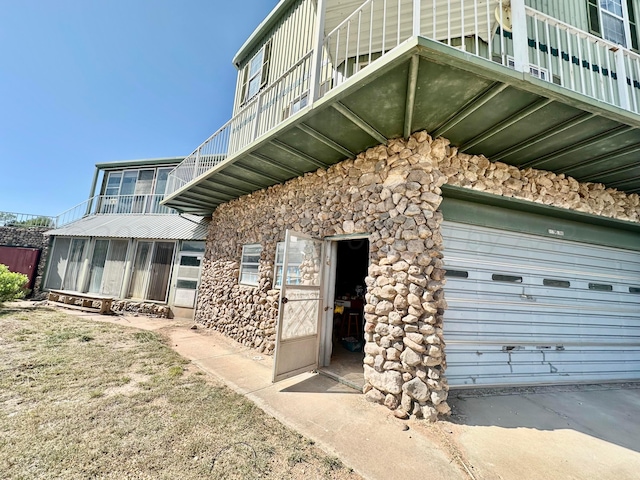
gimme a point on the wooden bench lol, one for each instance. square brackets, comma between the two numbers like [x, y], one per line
[81, 301]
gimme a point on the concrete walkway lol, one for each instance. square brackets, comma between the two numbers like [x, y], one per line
[588, 432]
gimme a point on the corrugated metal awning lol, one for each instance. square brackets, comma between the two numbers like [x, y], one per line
[162, 227]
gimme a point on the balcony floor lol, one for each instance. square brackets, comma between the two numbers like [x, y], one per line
[482, 107]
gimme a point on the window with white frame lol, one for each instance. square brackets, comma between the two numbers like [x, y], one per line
[151, 273]
[250, 264]
[294, 276]
[65, 264]
[613, 20]
[256, 72]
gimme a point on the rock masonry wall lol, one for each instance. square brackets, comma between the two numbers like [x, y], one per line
[31, 237]
[392, 193]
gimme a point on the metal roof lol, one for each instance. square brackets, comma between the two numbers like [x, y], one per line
[139, 163]
[161, 227]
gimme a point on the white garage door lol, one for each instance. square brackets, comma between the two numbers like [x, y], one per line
[526, 309]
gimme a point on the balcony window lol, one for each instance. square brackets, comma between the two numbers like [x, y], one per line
[135, 191]
[613, 20]
[256, 72]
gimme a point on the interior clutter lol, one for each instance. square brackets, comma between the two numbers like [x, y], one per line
[351, 270]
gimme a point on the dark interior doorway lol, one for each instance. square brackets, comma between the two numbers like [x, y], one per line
[352, 265]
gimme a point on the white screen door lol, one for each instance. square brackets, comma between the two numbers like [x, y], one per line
[300, 305]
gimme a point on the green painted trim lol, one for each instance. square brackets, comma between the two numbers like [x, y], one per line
[141, 163]
[479, 208]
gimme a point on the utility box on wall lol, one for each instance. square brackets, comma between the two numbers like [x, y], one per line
[21, 260]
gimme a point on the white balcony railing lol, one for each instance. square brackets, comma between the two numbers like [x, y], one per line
[114, 205]
[502, 31]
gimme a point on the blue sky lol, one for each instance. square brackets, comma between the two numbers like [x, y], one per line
[90, 81]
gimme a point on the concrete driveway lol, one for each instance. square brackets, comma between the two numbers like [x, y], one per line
[568, 432]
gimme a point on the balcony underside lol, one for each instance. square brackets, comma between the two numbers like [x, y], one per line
[482, 107]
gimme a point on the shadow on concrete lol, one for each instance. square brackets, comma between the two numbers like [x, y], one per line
[610, 412]
[319, 384]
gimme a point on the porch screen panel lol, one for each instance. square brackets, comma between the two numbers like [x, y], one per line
[74, 265]
[97, 265]
[140, 270]
[58, 263]
[160, 271]
[114, 268]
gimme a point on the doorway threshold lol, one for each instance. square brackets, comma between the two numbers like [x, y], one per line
[352, 380]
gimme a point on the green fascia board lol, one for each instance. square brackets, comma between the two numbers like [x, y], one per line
[473, 207]
[139, 163]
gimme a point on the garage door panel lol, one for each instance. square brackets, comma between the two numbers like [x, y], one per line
[529, 309]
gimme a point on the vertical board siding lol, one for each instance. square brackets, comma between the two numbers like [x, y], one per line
[573, 12]
[291, 38]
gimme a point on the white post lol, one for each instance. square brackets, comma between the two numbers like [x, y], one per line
[416, 17]
[520, 36]
[318, 54]
[621, 72]
[197, 165]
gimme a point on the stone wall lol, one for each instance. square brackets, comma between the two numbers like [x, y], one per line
[31, 237]
[392, 193]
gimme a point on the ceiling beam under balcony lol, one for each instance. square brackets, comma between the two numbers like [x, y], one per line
[275, 163]
[207, 195]
[188, 201]
[621, 183]
[603, 159]
[412, 84]
[223, 185]
[542, 136]
[297, 153]
[326, 140]
[360, 122]
[506, 123]
[225, 174]
[471, 107]
[608, 135]
[257, 171]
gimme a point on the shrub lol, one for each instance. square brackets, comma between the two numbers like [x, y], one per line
[12, 285]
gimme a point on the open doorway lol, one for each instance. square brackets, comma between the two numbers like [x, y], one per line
[344, 342]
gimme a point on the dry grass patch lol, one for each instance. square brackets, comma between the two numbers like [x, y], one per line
[81, 399]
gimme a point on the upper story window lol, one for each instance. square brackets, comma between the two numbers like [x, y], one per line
[135, 191]
[256, 72]
[614, 20]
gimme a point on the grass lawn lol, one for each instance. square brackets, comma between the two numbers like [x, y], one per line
[82, 399]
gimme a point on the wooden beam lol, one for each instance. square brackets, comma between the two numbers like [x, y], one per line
[482, 99]
[326, 140]
[506, 123]
[577, 146]
[414, 67]
[564, 126]
[361, 123]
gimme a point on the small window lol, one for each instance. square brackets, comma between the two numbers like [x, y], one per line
[250, 264]
[192, 246]
[602, 287]
[189, 261]
[506, 278]
[548, 282]
[255, 74]
[456, 274]
[634, 289]
[187, 284]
